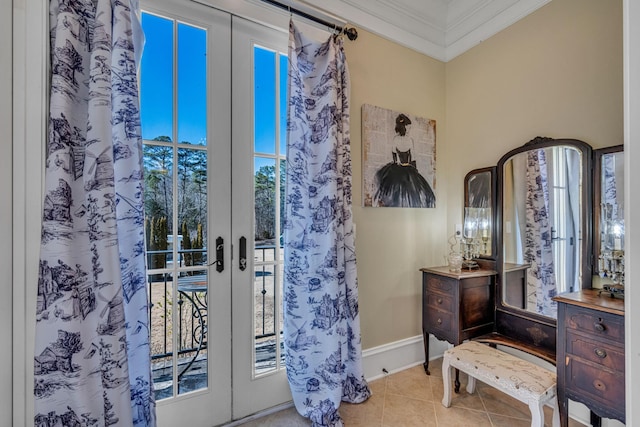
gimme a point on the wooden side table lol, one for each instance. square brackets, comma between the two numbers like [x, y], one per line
[456, 306]
[590, 354]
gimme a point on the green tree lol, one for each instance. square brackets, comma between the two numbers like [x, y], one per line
[199, 185]
[186, 244]
[157, 241]
[192, 190]
[198, 243]
[158, 163]
[265, 195]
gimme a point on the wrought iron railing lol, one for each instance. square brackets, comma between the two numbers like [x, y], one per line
[192, 315]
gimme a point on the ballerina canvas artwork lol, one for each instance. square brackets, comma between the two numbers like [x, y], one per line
[398, 159]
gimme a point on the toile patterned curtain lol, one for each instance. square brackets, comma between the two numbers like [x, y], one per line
[609, 187]
[92, 356]
[321, 321]
[541, 282]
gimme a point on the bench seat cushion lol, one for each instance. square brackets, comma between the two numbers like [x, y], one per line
[518, 377]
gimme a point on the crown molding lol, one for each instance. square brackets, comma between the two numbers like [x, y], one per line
[441, 29]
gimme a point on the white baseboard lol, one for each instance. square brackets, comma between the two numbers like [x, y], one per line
[399, 355]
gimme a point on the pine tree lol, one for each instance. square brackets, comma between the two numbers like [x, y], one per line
[162, 240]
[157, 241]
[198, 244]
[110, 417]
[153, 244]
[186, 245]
[147, 231]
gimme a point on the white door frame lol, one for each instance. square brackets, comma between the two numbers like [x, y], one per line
[250, 393]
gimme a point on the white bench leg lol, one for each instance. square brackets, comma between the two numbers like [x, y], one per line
[555, 421]
[471, 384]
[537, 413]
[446, 382]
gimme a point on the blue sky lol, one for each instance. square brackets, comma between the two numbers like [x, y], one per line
[157, 82]
[158, 79]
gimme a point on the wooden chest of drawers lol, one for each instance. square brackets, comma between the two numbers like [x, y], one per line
[456, 306]
[590, 354]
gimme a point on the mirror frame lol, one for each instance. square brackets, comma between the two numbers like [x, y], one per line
[493, 189]
[597, 197]
[532, 329]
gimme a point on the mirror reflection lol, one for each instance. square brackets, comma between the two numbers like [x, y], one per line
[542, 213]
[611, 223]
[478, 218]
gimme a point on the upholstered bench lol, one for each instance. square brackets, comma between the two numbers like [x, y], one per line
[519, 378]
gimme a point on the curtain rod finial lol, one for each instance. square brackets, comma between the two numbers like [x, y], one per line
[351, 33]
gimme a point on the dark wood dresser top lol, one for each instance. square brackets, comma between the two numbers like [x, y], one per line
[464, 274]
[591, 298]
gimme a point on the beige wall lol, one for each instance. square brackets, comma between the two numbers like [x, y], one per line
[556, 73]
[393, 243]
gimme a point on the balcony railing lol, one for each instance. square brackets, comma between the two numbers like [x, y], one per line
[191, 317]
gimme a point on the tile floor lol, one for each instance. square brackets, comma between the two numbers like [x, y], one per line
[411, 398]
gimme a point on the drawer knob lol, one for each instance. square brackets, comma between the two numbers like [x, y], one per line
[439, 300]
[599, 326]
[599, 385]
[439, 321]
[600, 353]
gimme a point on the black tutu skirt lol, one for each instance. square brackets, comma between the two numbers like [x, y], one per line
[403, 186]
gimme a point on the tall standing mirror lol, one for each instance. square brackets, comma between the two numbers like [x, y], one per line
[479, 219]
[608, 214]
[544, 223]
[544, 226]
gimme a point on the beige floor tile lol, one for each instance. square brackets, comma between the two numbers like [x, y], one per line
[435, 367]
[413, 383]
[378, 386]
[407, 412]
[461, 399]
[365, 413]
[497, 402]
[461, 417]
[413, 399]
[504, 421]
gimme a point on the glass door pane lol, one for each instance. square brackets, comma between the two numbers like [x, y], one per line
[176, 226]
[184, 174]
[269, 104]
[258, 170]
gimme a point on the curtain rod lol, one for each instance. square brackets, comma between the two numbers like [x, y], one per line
[351, 33]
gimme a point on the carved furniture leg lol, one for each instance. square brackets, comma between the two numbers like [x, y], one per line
[471, 385]
[446, 382]
[563, 408]
[537, 413]
[425, 338]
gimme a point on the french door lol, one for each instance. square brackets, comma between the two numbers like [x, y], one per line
[213, 131]
[259, 70]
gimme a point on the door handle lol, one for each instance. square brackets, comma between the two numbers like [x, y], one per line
[219, 254]
[243, 253]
